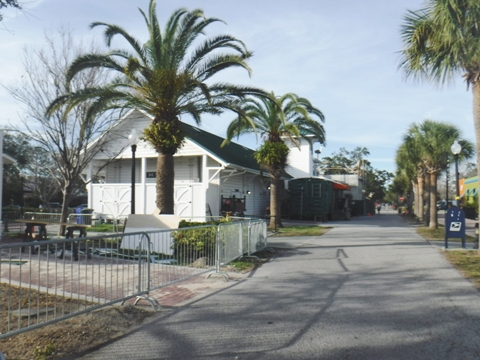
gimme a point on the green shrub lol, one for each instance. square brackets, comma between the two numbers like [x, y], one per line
[190, 245]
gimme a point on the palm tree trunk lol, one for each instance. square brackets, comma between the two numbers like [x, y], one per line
[476, 121]
[165, 183]
[433, 201]
[426, 193]
[415, 197]
[275, 203]
[421, 190]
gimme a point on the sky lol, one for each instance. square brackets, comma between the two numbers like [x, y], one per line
[341, 55]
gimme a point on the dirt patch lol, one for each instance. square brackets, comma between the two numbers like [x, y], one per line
[66, 337]
[80, 333]
[74, 335]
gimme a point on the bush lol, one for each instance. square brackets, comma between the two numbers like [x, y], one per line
[190, 245]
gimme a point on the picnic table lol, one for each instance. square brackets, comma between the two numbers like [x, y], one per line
[42, 232]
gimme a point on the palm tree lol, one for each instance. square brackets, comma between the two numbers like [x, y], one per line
[434, 140]
[410, 168]
[276, 118]
[443, 40]
[167, 76]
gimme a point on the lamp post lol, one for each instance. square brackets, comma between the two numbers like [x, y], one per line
[456, 149]
[133, 139]
[446, 182]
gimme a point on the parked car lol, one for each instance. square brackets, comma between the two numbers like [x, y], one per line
[442, 204]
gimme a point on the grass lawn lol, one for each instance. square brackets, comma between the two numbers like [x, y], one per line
[248, 264]
[467, 262]
[439, 234]
[301, 230]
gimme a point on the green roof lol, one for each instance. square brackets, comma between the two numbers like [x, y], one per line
[232, 153]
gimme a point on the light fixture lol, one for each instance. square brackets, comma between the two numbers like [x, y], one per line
[248, 192]
[133, 138]
[456, 148]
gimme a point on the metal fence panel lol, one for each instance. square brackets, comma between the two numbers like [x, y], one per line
[8, 220]
[181, 253]
[102, 223]
[45, 282]
[230, 240]
[206, 218]
[41, 216]
[257, 239]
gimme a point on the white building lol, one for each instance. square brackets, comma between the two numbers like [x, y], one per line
[300, 158]
[208, 179]
[354, 181]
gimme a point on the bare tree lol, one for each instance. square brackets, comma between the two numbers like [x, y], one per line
[68, 133]
[8, 3]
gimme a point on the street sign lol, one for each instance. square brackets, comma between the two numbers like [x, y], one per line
[455, 225]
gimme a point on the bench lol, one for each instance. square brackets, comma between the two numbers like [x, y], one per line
[42, 229]
[30, 228]
[71, 227]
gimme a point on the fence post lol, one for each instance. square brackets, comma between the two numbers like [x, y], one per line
[249, 236]
[217, 260]
[240, 238]
[153, 302]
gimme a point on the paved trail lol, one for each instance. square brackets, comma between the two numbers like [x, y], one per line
[368, 289]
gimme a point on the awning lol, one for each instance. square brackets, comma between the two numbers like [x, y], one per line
[340, 186]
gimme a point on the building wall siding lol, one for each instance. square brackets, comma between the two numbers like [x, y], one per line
[300, 161]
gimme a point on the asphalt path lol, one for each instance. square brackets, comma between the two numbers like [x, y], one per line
[368, 289]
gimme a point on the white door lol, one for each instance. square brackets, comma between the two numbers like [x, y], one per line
[116, 199]
[183, 200]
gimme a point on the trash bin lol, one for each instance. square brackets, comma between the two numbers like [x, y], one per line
[87, 219]
[78, 211]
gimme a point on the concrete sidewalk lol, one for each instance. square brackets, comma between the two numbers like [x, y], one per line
[370, 288]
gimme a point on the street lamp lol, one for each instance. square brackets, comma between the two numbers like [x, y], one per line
[133, 139]
[446, 181]
[456, 149]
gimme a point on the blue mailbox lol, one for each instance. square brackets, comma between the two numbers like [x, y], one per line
[455, 225]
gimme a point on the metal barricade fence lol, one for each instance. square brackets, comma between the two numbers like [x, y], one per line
[45, 284]
[179, 254]
[8, 221]
[41, 216]
[57, 279]
[257, 239]
[230, 242]
[97, 225]
[206, 218]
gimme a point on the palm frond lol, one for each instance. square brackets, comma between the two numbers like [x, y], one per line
[92, 61]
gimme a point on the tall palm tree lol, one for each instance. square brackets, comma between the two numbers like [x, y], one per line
[277, 118]
[409, 167]
[434, 140]
[443, 40]
[167, 76]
